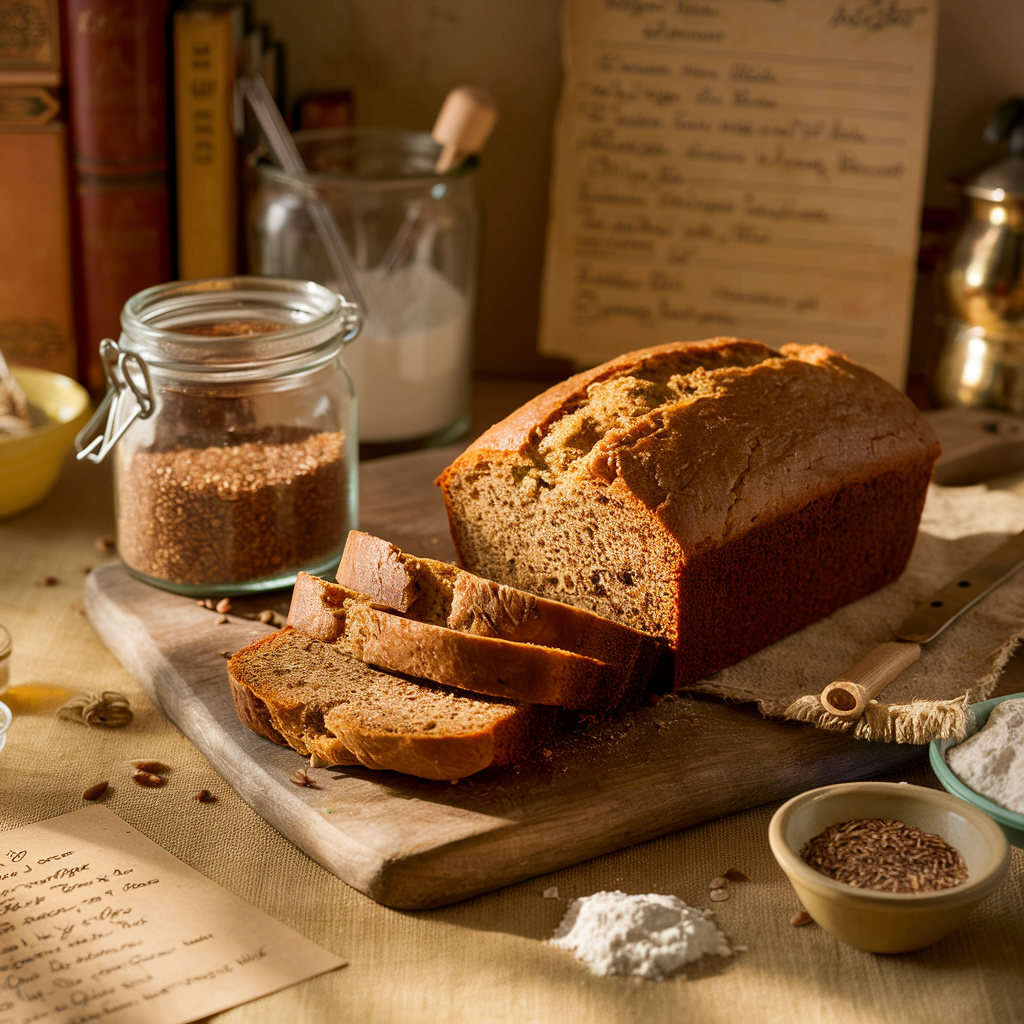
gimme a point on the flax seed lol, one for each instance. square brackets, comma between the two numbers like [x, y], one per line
[886, 855]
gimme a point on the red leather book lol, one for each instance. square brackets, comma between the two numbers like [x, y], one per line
[36, 320]
[119, 139]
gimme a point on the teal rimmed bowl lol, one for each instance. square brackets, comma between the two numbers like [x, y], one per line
[1011, 823]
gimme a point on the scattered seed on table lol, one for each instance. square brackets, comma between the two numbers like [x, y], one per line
[204, 796]
[48, 581]
[716, 883]
[223, 620]
[266, 616]
[300, 778]
[208, 603]
[95, 792]
[718, 895]
[149, 780]
[153, 766]
[735, 875]
[104, 544]
[800, 918]
[223, 605]
[224, 654]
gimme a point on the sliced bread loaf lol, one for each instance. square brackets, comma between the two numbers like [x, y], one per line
[318, 699]
[443, 594]
[481, 664]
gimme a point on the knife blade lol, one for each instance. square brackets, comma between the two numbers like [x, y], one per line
[949, 602]
[848, 696]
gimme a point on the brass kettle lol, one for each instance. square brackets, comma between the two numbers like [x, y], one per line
[982, 359]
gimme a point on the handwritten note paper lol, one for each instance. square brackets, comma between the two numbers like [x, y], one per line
[739, 167]
[98, 923]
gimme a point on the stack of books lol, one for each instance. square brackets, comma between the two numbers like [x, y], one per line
[121, 134]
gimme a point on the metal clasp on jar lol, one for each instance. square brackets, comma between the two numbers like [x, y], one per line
[127, 378]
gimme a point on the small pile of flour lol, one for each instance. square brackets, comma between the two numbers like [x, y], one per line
[991, 762]
[648, 936]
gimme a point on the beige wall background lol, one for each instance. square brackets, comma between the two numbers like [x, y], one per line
[400, 58]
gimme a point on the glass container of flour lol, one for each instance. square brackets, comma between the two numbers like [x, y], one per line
[412, 234]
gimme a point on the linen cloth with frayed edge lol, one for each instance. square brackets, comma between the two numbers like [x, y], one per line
[959, 526]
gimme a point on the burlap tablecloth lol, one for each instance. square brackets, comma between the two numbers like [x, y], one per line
[485, 959]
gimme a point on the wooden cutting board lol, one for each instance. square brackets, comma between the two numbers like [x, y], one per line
[409, 843]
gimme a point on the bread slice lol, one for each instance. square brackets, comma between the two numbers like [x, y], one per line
[318, 699]
[445, 595]
[500, 668]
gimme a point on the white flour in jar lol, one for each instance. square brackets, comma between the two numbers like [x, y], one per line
[647, 936]
[410, 362]
[991, 762]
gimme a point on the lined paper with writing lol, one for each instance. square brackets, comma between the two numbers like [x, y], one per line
[98, 923]
[741, 167]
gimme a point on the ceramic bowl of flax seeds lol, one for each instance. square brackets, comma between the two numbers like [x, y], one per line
[888, 867]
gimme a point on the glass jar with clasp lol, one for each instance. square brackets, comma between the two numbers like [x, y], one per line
[232, 422]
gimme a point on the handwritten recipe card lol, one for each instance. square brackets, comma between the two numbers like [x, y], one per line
[98, 923]
[739, 167]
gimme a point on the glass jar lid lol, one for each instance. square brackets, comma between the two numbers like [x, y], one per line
[234, 322]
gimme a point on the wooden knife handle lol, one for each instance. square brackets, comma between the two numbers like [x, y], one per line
[847, 697]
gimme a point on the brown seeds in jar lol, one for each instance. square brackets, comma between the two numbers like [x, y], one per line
[199, 515]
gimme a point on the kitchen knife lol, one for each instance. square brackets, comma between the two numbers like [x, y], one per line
[848, 696]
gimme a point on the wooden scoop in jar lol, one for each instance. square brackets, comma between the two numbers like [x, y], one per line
[848, 696]
[464, 124]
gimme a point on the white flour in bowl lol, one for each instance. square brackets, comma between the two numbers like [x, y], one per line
[647, 936]
[991, 762]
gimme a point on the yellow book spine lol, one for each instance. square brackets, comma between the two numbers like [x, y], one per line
[204, 75]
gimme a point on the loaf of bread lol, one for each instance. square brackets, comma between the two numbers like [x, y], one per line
[445, 595]
[318, 699]
[719, 494]
[480, 664]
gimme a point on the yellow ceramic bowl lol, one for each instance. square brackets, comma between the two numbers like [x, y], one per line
[29, 465]
[889, 922]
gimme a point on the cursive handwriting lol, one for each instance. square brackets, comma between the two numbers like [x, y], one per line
[875, 15]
